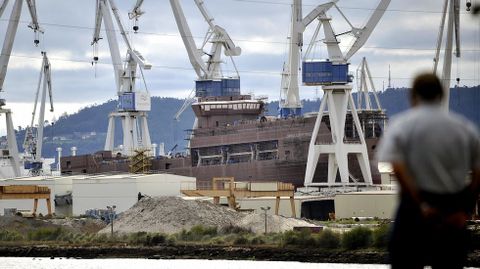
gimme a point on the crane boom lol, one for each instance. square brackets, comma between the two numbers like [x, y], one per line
[9, 38]
[194, 54]
[3, 6]
[33, 13]
[136, 10]
[98, 23]
[320, 9]
[364, 33]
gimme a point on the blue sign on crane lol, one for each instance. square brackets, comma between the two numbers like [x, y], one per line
[325, 73]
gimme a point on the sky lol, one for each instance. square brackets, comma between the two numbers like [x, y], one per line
[405, 39]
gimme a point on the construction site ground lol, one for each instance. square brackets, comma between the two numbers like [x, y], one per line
[174, 217]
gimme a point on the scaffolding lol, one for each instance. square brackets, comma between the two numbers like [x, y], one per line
[140, 162]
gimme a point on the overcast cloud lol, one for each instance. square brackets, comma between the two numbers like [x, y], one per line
[405, 39]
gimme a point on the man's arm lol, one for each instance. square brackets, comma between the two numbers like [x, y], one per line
[409, 188]
[407, 184]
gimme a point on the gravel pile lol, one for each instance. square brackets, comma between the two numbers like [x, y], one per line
[275, 224]
[172, 214]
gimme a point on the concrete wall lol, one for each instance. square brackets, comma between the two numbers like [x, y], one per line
[163, 184]
[122, 190]
[91, 193]
[28, 203]
[366, 204]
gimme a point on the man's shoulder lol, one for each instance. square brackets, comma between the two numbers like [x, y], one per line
[403, 119]
[463, 122]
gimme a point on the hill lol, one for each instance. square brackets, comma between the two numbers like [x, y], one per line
[87, 128]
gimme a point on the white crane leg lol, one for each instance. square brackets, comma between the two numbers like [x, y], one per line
[147, 143]
[337, 108]
[127, 135]
[362, 157]
[136, 144]
[109, 142]
[332, 169]
[313, 150]
[12, 145]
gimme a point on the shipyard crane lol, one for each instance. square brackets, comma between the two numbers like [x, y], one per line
[290, 103]
[210, 78]
[33, 141]
[133, 105]
[332, 74]
[452, 8]
[12, 153]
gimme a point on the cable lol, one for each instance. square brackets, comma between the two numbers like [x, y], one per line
[193, 36]
[342, 7]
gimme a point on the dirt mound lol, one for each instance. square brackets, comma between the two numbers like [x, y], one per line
[172, 214]
[275, 224]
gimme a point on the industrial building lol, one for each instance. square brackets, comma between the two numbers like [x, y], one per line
[100, 191]
[73, 195]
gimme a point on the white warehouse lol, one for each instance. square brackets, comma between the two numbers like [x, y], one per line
[100, 191]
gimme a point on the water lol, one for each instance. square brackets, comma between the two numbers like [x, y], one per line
[57, 263]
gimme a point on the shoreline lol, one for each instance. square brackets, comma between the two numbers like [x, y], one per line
[164, 252]
[198, 252]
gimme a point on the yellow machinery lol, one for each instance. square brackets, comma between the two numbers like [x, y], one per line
[227, 187]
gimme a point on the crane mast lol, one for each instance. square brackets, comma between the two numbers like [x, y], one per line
[133, 105]
[33, 142]
[12, 153]
[332, 74]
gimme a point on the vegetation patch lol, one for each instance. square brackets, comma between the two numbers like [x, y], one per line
[359, 237]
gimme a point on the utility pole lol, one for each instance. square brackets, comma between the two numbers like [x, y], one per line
[265, 209]
[111, 213]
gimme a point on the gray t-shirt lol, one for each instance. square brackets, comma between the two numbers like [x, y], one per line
[438, 148]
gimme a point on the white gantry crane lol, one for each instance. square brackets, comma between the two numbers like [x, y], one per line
[211, 80]
[133, 105]
[11, 154]
[364, 85]
[33, 141]
[452, 9]
[333, 75]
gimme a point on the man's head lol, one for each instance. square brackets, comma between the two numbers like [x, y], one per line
[427, 88]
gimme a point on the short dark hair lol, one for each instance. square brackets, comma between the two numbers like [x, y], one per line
[427, 87]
